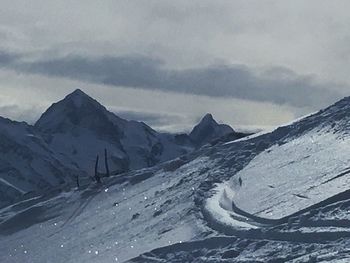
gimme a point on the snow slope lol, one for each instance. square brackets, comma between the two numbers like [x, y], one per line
[309, 163]
[26, 163]
[100, 224]
[287, 178]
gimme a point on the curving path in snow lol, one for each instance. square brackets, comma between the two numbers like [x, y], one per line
[219, 209]
[223, 215]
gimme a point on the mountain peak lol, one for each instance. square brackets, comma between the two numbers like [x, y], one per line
[76, 109]
[208, 118]
[78, 92]
[78, 97]
[208, 129]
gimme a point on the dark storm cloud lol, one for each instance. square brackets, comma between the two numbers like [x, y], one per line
[6, 58]
[122, 71]
[277, 85]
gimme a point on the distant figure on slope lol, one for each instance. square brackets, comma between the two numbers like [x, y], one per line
[240, 181]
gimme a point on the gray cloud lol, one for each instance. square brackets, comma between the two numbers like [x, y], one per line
[221, 49]
[159, 121]
[15, 112]
[275, 84]
[306, 36]
[7, 58]
[153, 119]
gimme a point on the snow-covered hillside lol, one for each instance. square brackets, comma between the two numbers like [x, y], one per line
[308, 163]
[278, 197]
[287, 178]
[26, 163]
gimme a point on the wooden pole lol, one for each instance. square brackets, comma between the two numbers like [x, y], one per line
[97, 177]
[78, 185]
[106, 164]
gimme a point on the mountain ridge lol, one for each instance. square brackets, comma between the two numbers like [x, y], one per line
[73, 131]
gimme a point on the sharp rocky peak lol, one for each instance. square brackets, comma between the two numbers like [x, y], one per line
[79, 98]
[208, 119]
[76, 109]
[208, 129]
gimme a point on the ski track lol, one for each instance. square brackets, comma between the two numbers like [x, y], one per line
[78, 210]
[12, 186]
[261, 230]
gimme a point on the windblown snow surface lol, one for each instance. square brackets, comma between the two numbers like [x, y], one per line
[278, 197]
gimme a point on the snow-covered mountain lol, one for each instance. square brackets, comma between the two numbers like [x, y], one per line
[66, 140]
[80, 128]
[281, 196]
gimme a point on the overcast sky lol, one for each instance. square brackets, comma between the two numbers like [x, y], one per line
[252, 63]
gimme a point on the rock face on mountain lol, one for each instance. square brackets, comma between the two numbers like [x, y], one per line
[208, 129]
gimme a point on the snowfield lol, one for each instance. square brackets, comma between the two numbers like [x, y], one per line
[279, 197]
[101, 224]
[287, 178]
